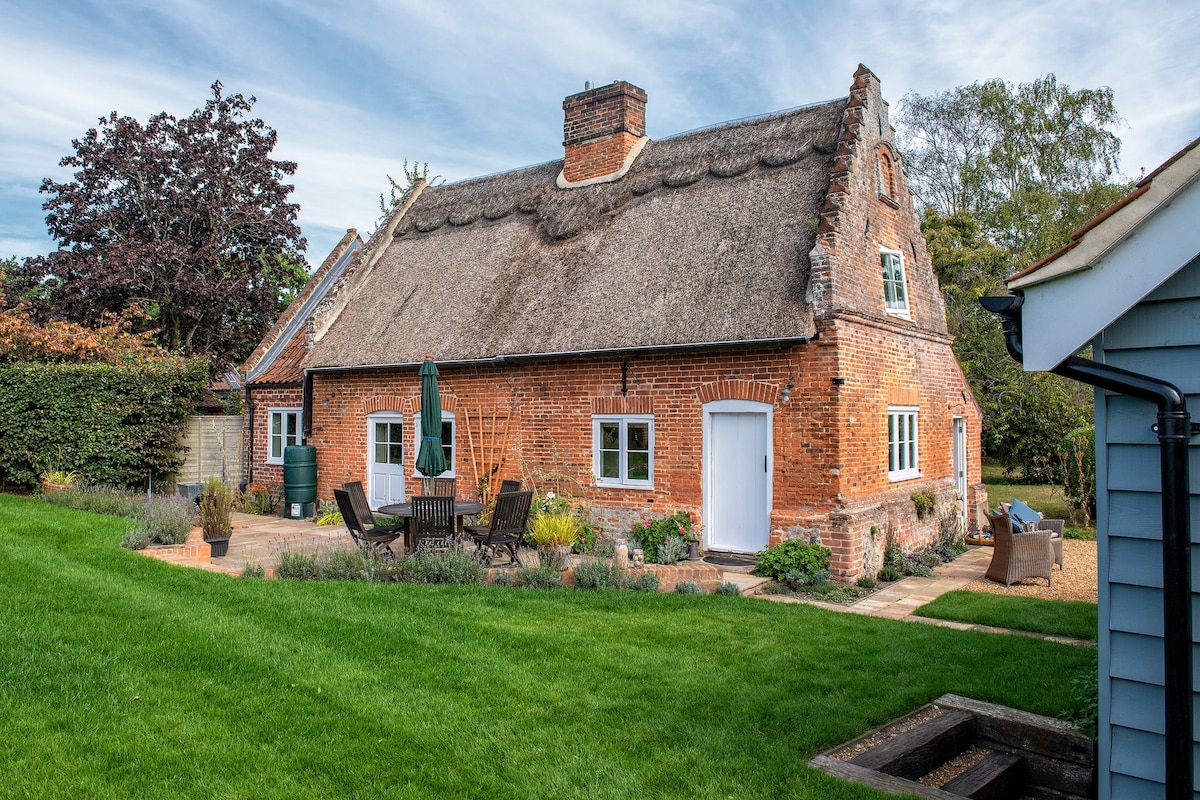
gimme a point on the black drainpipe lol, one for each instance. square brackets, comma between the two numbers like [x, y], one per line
[248, 453]
[1174, 428]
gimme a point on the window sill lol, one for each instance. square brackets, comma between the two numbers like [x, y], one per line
[603, 484]
[898, 477]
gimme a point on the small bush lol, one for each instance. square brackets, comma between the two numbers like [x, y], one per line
[99, 500]
[504, 578]
[802, 560]
[890, 574]
[688, 587]
[644, 582]
[254, 571]
[728, 587]
[539, 577]
[865, 582]
[298, 566]
[651, 537]
[257, 499]
[452, 566]
[599, 573]
[1085, 688]
[137, 537]
[169, 518]
[328, 514]
[774, 587]
[924, 502]
[672, 550]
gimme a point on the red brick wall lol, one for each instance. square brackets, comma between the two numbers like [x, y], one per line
[258, 442]
[600, 128]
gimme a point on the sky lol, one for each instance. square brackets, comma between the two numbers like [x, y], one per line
[355, 88]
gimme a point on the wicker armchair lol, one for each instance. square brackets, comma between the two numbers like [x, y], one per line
[1018, 555]
[1055, 526]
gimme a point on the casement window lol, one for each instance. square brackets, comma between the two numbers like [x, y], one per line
[623, 450]
[284, 431]
[895, 290]
[902, 443]
[447, 441]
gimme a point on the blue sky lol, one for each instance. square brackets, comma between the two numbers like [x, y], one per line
[355, 87]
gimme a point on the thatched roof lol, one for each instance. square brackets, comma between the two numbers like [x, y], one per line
[705, 240]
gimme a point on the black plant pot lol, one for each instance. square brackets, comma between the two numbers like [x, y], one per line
[218, 547]
[693, 550]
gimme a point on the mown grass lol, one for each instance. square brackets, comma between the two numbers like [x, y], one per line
[1055, 617]
[123, 677]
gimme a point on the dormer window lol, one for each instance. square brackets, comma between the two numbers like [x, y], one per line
[895, 288]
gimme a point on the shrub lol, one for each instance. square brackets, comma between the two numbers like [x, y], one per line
[99, 500]
[169, 519]
[924, 502]
[688, 587]
[451, 566]
[796, 579]
[796, 557]
[257, 499]
[1077, 454]
[542, 576]
[137, 537]
[865, 582]
[1085, 688]
[298, 566]
[564, 505]
[672, 550]
[254, 571]
[504, 578]
[600, 573]
[728, 587]
[890, 574]
[112, 423]
[644, 582]
[652, 536]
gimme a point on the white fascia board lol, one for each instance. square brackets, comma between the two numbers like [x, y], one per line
[1062, 315]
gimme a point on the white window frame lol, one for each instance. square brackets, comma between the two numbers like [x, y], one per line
[904, 437]
[897, 305]
[622, 480]
[283, 437]
[452, 458]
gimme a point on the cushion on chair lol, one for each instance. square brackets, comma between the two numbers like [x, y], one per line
[1024, 514]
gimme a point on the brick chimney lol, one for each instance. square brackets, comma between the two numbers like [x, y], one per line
[603, 130]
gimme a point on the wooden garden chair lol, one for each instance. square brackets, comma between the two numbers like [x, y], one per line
[365, 534]
[505, 530]
[434, 525]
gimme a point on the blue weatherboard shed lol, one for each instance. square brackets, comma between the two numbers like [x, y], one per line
[1128, 284]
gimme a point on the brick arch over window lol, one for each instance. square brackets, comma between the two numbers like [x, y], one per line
[449, 403]
[737, 390]
[377, 403]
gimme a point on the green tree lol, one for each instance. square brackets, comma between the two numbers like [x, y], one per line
[1005, 174]
[188, 217]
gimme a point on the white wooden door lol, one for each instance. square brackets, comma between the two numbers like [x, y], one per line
[385, 443]
[960, 466]
[738, 480]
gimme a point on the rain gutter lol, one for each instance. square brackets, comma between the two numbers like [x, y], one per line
[1174, 429]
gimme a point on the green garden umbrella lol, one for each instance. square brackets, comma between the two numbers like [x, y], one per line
[431, 460]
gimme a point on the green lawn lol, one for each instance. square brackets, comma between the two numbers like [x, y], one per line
[123, 677]
[1054, 617]
[1041, 497]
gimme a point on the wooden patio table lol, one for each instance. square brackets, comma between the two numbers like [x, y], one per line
[462, 510]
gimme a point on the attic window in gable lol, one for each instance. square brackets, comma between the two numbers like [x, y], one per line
[895, 287]
[887, 177]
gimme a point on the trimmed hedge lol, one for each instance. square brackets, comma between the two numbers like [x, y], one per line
[111, 423]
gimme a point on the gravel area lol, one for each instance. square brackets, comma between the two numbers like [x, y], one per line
[1076, 581]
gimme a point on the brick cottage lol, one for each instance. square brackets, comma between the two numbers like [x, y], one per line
[740, 321]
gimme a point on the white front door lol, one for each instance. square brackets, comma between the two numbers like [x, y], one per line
[960, 466]
[385, 443]
[737, 476]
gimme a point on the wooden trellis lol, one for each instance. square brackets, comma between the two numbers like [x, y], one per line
[487, 442]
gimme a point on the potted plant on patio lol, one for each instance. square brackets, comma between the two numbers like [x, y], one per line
[216, 516]
[553, 533]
